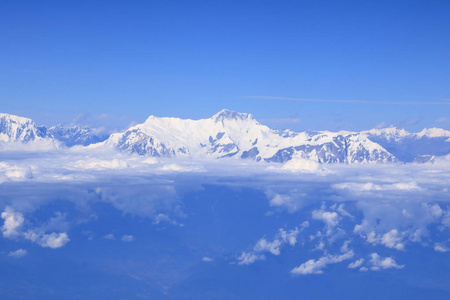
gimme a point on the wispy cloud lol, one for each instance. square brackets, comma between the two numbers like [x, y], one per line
[281, 120]
[443, 120]
[349, 101]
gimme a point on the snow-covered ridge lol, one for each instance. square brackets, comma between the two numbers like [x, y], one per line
[230, 134]
[408, 147]
[396, 133]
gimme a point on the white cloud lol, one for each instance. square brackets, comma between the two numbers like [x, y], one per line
[316, 266]
[12, 228]
[247, 258]
[370, 186]
[207, 259]
[264, 245]
[291, 201]
[13, 222]
[99, 164]
[331, 219]
[109, 236]
[300, 165]
[281, 238]
[163, 218]
[52, 240]
[290, 237]
[392, 239]
[440, 248]
[356, 264]
[379, 263]
[18, 253]
[127, 238]
[343, 212]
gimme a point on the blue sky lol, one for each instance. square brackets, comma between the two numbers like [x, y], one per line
[123, 62]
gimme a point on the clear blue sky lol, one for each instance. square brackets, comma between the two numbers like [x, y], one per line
[189, 59]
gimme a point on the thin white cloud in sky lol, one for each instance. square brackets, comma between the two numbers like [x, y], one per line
[247, 258]
[356, 264]
[127, 238]
[349, 101]
[18, 253]
[316, 266]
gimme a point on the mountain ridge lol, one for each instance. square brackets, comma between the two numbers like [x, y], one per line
[239, 135]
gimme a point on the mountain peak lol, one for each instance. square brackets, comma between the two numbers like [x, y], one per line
[14, 118]
[226, 114]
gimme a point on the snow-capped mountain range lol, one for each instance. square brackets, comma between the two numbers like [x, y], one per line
[237, 135]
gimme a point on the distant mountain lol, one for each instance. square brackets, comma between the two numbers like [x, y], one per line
[240, 136]
[75, 135]
[409, 147]
[19, 129]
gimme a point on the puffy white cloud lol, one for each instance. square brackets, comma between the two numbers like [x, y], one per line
[292, 202]
[331, 219]
[302, 165]
[18, 253]
[391, 239]
[281, 238]
[127, 238]
[264, 245]
[12, 228]
[13, 222]
[54, 240]
[290, 237]
[379, 263]
[313, 266]
[207, 259]
[51, 240]
[248, 258]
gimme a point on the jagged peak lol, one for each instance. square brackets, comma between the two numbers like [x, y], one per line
[226, 114]
[14, 118]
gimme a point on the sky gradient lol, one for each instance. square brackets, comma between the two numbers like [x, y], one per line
[370, 63]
